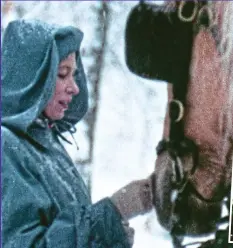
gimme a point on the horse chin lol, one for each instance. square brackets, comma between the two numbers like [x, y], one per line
[194, 216]
[197, 217]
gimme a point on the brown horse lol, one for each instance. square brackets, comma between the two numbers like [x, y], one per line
[208, 121]
[190, 45]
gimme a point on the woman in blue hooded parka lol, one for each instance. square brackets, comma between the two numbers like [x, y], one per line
[44, 200]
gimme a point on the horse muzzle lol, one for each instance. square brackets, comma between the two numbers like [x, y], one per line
[188, 215]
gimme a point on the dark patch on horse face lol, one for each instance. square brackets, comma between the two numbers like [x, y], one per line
[196, 216]
[158, 44]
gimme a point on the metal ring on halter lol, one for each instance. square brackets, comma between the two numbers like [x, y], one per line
[181, 110]
[187, 19]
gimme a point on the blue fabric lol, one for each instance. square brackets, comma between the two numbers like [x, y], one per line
[45, 202]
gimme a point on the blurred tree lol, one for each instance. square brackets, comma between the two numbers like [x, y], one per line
[95, 70]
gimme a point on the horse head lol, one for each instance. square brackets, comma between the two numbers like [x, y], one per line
[189, 45]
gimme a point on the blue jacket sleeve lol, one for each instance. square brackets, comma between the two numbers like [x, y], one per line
[28, 218]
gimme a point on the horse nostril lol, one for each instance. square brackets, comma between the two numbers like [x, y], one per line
[147, 186]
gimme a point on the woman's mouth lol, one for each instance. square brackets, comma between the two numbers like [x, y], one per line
[64, 105]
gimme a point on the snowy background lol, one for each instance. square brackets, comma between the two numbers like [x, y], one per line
[117, 139]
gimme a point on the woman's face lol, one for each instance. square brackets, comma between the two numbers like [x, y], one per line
[65, 89]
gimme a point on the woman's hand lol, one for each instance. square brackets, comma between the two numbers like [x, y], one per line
[134, 199]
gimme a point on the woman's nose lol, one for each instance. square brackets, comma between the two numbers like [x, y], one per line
[72, 87]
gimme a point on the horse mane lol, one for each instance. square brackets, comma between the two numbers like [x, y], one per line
[220, 16]
[224, 19]
[227, 41]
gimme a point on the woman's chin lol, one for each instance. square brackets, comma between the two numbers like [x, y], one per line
[57, 116]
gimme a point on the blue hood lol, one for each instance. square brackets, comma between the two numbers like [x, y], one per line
[31, 52]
